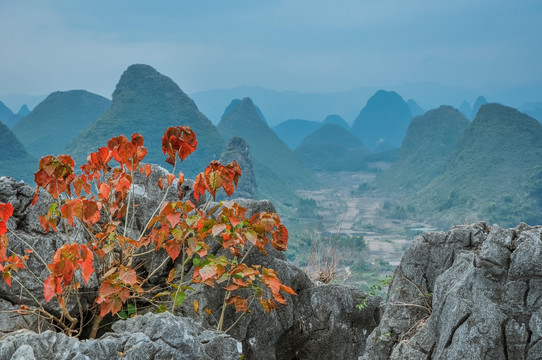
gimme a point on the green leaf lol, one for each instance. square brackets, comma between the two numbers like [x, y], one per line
[122, 314]
[179, 297]
[162, 308]
[132, 309]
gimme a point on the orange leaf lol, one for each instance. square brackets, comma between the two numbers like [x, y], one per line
[161, 183]
[196, 307]
[279, 239]
[287, 289]
[240, 303]
[148, 170]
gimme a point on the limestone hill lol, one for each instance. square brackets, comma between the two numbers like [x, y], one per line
[384, 119]
[148, 102]
[429, 141]
[275, 165]
[494, 174]
[58, 119]
[15, 160]
[293, 131]
[332, 148]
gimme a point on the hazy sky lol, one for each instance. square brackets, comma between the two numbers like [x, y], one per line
[302, 45]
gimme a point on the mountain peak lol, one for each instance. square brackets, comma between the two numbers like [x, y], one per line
[148, 102]
[480, 100]
[23, 111]
[385, 118]
[245, 113]
[337, 120]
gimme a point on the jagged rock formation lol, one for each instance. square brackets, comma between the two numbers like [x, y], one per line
[148, 102]
[57, 120]
[152, 336]
[429, 141]
[385, 118]
[239, 150]
[471, 293]
[320, 322]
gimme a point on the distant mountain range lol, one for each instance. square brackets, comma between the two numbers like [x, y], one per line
[57, 120]
[148, 102]
[279, 106]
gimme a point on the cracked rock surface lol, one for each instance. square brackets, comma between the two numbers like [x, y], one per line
[152, 336]
[472, 293]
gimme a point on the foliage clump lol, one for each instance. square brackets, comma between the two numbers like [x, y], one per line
[101, 201]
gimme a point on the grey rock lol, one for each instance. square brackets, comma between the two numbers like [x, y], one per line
[159, 336]
[485, 297]
[239, 150]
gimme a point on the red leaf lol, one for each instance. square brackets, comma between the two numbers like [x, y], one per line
[127, 275]
[6, 210]
[173, 249]
[6, 274]
[50, 287]
[105, 190]
[86, 262]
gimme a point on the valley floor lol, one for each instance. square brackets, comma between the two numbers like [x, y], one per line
[346, 211]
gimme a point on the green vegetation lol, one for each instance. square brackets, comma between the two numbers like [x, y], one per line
[58, 119]
[333, 148]
[268, 151]
[494, 173]
[384, 118]
[15, 161]
[429, 141]
[293, 131]
[147, 102]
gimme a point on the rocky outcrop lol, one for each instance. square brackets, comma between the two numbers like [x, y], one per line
[239, 150]
[152, 336]
[472, 293]
[318, 322]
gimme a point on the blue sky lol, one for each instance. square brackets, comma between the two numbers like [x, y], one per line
[300, 45]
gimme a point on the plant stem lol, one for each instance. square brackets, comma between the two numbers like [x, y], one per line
[95, 325]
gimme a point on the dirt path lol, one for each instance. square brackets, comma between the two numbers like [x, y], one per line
[361, 214]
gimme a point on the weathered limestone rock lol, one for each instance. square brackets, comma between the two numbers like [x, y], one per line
[152, 336]
[473, 293]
